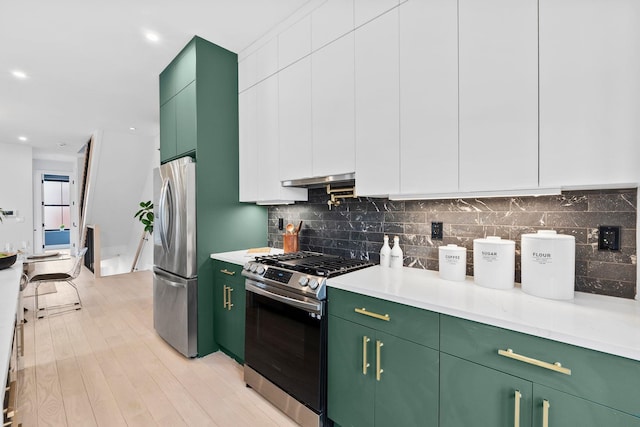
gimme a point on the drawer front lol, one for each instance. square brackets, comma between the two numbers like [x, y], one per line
[229, 272]
[410, 323]
[599, 377]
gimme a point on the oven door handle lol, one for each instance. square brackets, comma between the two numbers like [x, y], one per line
[306, 306]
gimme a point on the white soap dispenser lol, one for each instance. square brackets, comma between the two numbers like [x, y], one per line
[385, 253]
[396, 254]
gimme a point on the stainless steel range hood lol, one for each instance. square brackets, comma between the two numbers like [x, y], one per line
[347, 179]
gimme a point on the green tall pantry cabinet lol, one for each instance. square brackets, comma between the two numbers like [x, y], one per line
[199, 118]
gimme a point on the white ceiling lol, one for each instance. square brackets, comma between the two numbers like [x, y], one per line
[90, 66]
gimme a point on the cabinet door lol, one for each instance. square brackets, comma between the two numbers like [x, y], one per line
[472, 395]
[229, 308]
[428, 96]
[168, 130]
[294, 43]
[186, 121]
[589, 92]
[267, 139]
[377, 107]
[331, 20]
[566, 410]
[350, 395]
[366, 10]
[407, 393]
[498, 94]
[248, 147]
[333, 108]
[295, 120]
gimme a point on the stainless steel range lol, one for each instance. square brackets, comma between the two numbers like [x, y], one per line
[286, 330]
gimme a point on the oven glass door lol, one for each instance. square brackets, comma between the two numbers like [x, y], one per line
[284, 344]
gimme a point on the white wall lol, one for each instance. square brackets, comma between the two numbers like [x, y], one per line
[15, 194]
[122, 178]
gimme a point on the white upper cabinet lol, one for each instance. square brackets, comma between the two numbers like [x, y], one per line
[366, 10]
[294, 43]
[266, 60]
[498, 83]
[332, 99]
[248, 153]
[589, 92]
[247, 72]
[377, 106]
[332, 20]
[267, 145]
[295, 120]
[428, 96]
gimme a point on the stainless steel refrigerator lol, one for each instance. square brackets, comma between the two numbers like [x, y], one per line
[175, 280]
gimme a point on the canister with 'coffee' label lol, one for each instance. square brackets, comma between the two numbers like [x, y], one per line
[452, 262]
[549, 264]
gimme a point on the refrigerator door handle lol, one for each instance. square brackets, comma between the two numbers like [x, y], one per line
[164, 212]
[168, 281]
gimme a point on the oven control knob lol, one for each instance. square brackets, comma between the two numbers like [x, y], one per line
[253, 268]
[303, 281]
[246, 266]
[260, 270]
[313, 283]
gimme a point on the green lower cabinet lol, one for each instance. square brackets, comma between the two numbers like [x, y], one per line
[474, 395]
[564, 410]
[168, 130]
[229, 309]
[406, 392]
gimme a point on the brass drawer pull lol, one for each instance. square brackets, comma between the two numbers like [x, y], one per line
[557, 367]
[224, 296]
[372, 314]
[230, 273]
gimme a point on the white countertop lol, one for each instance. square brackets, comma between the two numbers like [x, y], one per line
[9, 290]
[607, 324]
[241, 257]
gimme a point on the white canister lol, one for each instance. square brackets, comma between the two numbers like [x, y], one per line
[494, 262]
[452, 262]
[548, 264]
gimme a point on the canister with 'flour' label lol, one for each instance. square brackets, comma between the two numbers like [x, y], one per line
[549, 264]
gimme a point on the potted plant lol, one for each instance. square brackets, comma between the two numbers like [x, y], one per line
[145, 215]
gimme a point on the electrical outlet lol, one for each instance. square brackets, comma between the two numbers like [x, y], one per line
[436, 230]
[280, 224]
[609, 238]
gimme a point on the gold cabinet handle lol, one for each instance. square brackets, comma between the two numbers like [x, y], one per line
[365, 363]
[545, 413]
[552, 366]
[372, 314]
[229, 303]
[379, 370]
[224, 296]
[230, 273]
[21, 346]
[516, 408]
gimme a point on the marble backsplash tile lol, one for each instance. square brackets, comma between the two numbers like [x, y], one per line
[356, 227]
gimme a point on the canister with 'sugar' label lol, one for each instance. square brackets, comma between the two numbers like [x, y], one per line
[494, 262]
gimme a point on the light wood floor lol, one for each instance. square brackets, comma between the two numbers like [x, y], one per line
[104, 365]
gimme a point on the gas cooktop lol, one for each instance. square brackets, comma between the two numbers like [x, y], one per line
[302, 272]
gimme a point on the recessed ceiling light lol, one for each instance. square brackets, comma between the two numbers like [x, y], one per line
[132, 128]
[18, 74]
[152, 36]
[22, 138]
